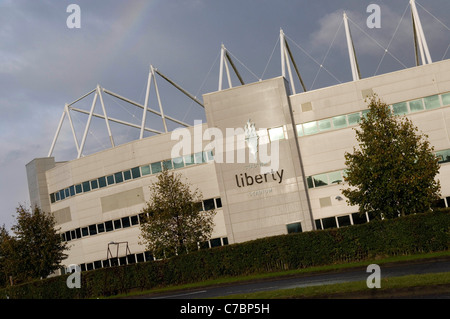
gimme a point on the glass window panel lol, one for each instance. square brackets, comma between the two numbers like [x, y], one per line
[359, 218]
[329, 222]
[127, 175]
[325, 125]
[335, 177]
[86, 186]
[400, 108]
[135, 172]
[218, 202]
[309, 180]
[61, 194]
[68, 237]
[101, 228]
[299, 130]
[109, 226]
[72, 190]
[156, 167]
[97, 264]
[73, 235]
[344, 221]
[67, 192]
[102, 182]
[189, 159]
[78, 232]
[276, 133]
[208, 204]
[145, 170]
[340, 121]
[318, 224]
[353, 119]
[167, 164]
[94, 184]
[92, 229]
[444, 156]
[134, 220]
[84, 231]
[118, 177]
[140, 258]
[446, 99]
[310, 128]
[440, 203]
[52, 198]
[225, 241]
[117, 224]
[215, 242]
[126, 222]
[78, 189]
[364, 113]
[432, 102]
[209, 155]
[178, 162]
[416, 105]
[294, 228]
[320, 180]
[57, 196]
[110, 179]
[199, 158]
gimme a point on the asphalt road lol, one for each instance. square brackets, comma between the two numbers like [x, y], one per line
[359, 274]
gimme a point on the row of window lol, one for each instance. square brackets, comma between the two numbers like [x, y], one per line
[141, 257]
[125, 222]
[337, 177]
[402, 108]
[341, 221]
[133, 173]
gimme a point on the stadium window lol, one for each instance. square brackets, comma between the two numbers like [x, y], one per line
[359, 218]
[446, 99]
[294, 228]
[443, 156]
[101, 228]
[84, 231]
[127, 175]
[86, 186]
[178, 162]
[318, 224]
[140, 257]
[94, 184]
[61, 194]
[135, 172]
[344, 220]
[215, 242]
[110, 179]
[67, 192]
[225, 241]
[145, 170]
[299, 130]
[105, 263]
[72, 190]
[52, 198]
[102, 182]
[209, 155]
[310, 128]
[324, 125]
[97, 264]
[340, 121]
[109, 226]
[78, 232]
[335, 177]
[126, 222]
[156, 167]
[134, 220]
[309, 181]
[416, 105]
[117, 224]
[329, 222]
[218, 202]
[432, 102]
[188, 159]
[208, 204]
[276, 133]
[354, 118]
[320, 180]
[400, 108]
[68, 236]
[167, 164]
[198, 157]
[118, 177]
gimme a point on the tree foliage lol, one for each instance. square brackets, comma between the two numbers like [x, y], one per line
[35, 250]
[393, 171]
[175, 221]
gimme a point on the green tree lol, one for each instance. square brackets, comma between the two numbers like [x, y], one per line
[35, 250]
[393, 171]
[175, 220]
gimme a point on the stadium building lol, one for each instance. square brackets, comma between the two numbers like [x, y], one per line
[97, 199]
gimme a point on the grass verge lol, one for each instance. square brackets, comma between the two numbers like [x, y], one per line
[343, 288]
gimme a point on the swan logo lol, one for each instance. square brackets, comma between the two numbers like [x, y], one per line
[251, 139]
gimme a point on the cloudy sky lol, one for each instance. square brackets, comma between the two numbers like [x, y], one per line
[44, 64]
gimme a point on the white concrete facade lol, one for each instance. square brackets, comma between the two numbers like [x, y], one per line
[299, 195]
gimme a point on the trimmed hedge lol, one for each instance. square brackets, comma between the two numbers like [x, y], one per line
[419, 233]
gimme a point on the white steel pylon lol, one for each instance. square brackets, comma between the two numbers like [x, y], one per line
[286, 56]
[224, 57]
[419, 36]
[351, 51]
